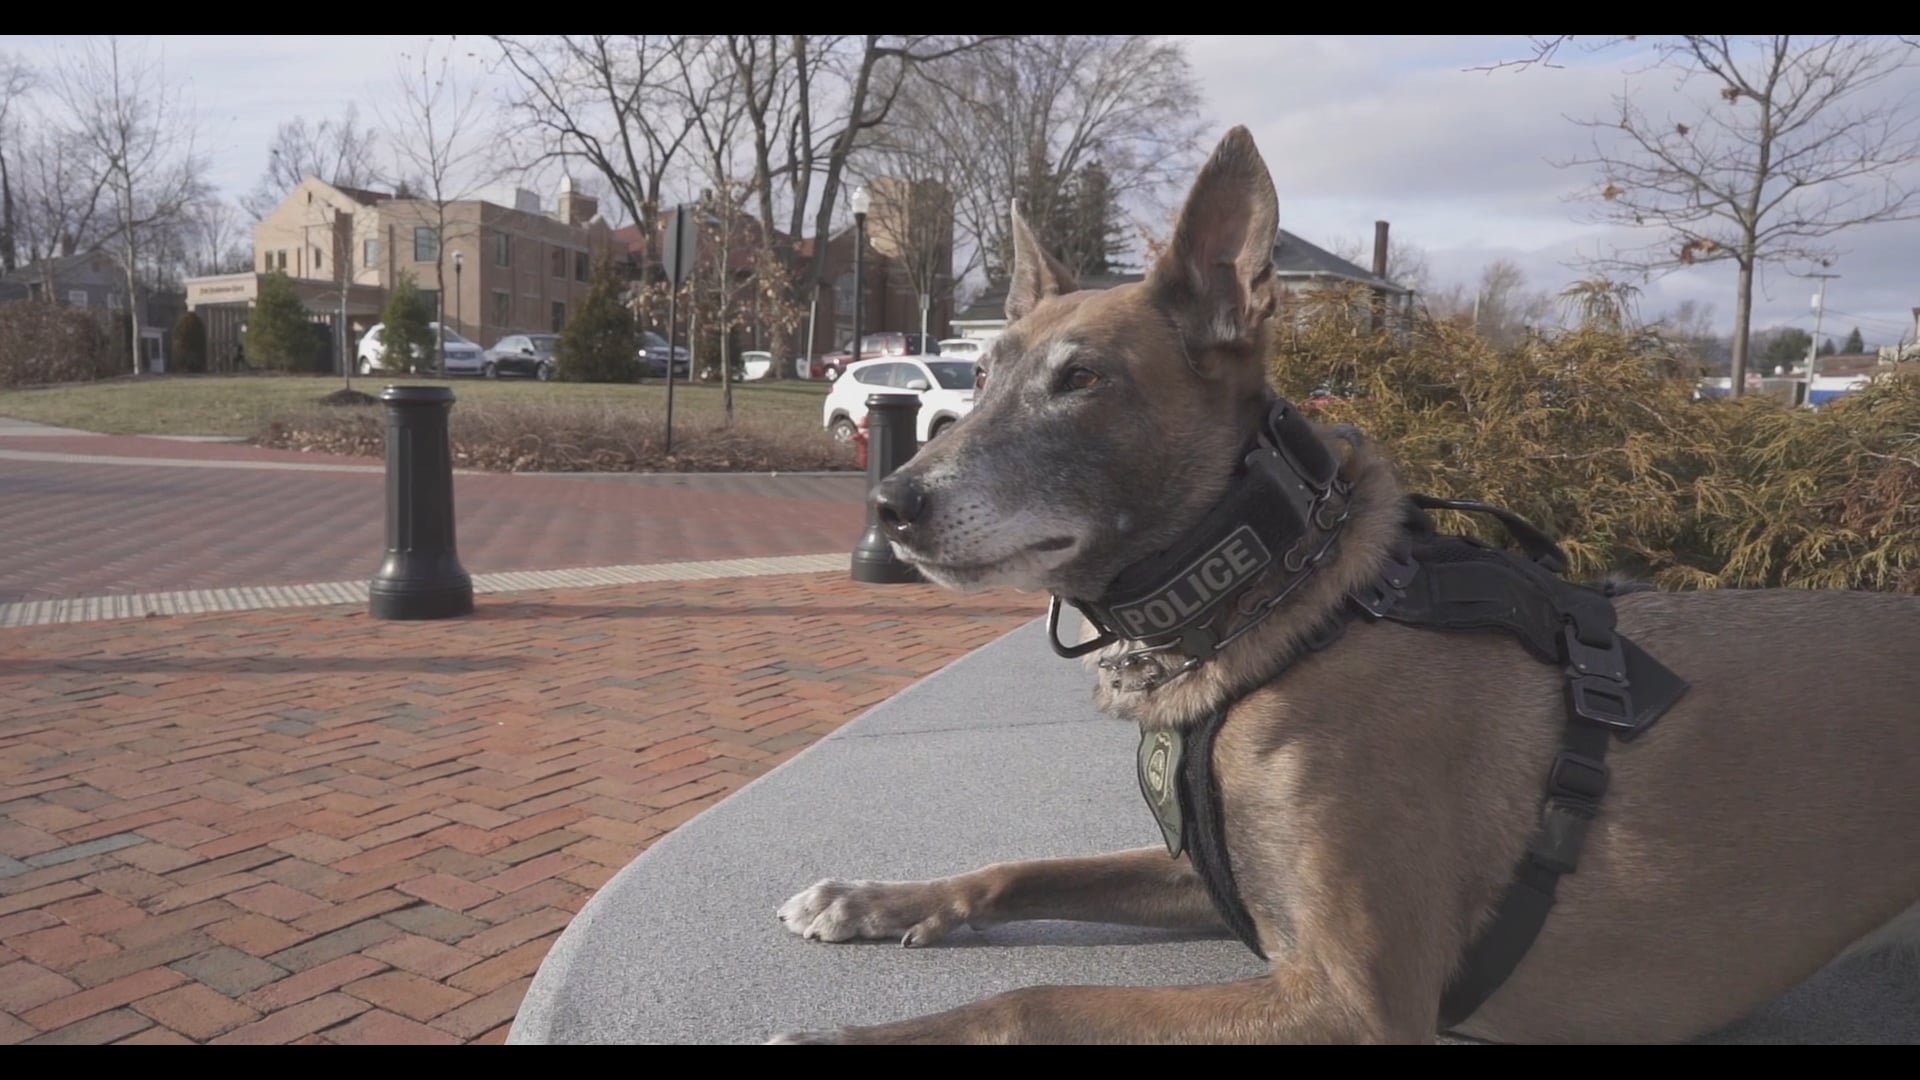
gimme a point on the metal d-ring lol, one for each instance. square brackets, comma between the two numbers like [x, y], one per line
[1074, 652]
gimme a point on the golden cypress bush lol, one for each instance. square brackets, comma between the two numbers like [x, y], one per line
[1593, 435]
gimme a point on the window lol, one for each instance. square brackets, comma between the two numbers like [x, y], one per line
[283, 259]
[77, 297]
[502, 249]
[370, 253]
[559, 261]
[880, 375]
[316, 260]
[559, 316]
[582, 266]
[113, 300]
[502, 308]
[426, 244]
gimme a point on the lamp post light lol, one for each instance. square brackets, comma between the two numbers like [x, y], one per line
[861, 202]
[459, 294]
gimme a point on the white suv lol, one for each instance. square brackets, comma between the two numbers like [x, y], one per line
[945, 388]
[463, 356]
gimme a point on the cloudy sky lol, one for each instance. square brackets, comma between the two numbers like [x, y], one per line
[1354, 129]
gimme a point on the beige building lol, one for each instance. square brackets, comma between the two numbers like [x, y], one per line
[506, 270]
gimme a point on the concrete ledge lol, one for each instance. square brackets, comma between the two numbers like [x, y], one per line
[1000, 755]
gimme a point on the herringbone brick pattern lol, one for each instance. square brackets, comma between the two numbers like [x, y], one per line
[306, 826]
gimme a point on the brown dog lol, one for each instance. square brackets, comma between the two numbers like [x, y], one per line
[1378, 794]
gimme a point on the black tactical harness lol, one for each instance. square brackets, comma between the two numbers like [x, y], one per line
[1281, 508]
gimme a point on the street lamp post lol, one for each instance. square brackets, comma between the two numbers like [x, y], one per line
[860, 202]
[459, 294]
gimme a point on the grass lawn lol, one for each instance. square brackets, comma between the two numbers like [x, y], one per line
[241, 405]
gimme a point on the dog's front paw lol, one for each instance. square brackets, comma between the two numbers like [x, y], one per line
[915, 912]
[836, 1037]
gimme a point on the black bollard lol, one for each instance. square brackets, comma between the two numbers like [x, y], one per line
[891, 442]
[421, 577]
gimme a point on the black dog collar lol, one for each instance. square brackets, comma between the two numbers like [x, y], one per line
[1276, 513]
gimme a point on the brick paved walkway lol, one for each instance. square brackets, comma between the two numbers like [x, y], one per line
[307, 826]
[98, 528]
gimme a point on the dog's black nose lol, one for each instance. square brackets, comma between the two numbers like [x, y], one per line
[898, 501]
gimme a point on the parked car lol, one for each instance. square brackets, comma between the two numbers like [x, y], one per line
[829, 366]
[653, 350]
[962, 348]
[521, 354]
[462, 356]
[945, 388]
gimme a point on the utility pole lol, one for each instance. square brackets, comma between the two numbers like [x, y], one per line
[1819, 319]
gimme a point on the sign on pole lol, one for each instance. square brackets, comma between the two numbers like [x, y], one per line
[678, 256]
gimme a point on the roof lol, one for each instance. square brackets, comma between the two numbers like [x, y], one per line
[61, 266]
[362, 195]
[1293, 259]
[1296, 258]
[991, 306]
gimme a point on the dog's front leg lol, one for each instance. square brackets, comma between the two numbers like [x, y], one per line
[1288, 1006]
[1140, 887]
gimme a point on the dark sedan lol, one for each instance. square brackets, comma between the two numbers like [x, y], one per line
[521, 354]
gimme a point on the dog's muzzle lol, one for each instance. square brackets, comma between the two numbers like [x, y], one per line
[898, 502]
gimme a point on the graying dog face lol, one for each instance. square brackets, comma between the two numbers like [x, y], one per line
[1110, 420]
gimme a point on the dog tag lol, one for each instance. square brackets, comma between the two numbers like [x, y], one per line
[1159, 783]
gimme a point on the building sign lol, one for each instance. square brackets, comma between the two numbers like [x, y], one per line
[227, 289]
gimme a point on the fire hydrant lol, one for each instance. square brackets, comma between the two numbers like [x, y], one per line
[860, 440]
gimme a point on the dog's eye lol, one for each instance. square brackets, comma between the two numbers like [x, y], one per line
[1080, 378]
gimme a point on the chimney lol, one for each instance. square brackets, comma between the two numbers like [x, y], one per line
[1380, 273]
[575, 208]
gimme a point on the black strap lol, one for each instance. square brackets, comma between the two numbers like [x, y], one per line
[1613, 688]
[1575, 786]
[1205, 830]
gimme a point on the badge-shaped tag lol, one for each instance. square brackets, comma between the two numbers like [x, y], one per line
[1159, 773]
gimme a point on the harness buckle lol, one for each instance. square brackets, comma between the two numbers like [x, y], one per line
[1575, 785]
[1578, 778]
[1294, 488]
[1597, 685]
[1383, 593]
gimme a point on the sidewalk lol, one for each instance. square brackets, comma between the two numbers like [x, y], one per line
[300, 826]
[116, 515]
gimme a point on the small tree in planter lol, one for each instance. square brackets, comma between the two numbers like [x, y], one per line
[190, 344]
[601, 343]
[408, 327]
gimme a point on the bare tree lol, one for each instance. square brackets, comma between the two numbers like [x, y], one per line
[1785, 150]
[784, 81]
[137, 135]
[341, 152]
[16, 79]
[64, 200]
[709, 88]
[911, 225]
[872, 80]
[1407, 264]
[439, 148]
[1024, 117]
[1501, 308]
[219, 239]
[610, 102]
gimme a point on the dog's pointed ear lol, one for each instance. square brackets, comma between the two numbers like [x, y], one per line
[1036, 274]
[1216, 276]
